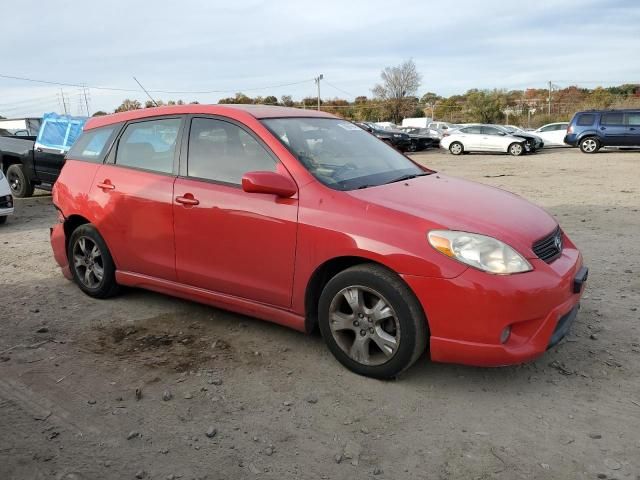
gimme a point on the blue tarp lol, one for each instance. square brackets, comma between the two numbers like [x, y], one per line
[59, 131]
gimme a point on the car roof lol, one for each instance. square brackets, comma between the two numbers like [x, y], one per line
[230, 110]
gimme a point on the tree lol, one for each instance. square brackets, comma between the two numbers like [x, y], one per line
[127, 105]
[486, 106]
[270, 100]
[286, 100]
[398, 83]
[99, 113]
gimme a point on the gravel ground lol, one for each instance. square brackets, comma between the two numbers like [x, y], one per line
[147, 386]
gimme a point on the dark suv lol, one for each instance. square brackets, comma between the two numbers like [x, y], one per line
[593, 129]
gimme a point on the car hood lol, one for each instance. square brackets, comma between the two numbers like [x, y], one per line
[444, 202]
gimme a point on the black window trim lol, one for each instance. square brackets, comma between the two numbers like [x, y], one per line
[112, 156]
[100, 159]
[184, 153]
[614, 112]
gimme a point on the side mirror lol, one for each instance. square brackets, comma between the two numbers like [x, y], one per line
[268, 182]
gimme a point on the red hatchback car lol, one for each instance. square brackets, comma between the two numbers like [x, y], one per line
[304, 219]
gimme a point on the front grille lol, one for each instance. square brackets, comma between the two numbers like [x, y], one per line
[6, 201]
[549, 247]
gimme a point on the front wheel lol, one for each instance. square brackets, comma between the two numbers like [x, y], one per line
[589, 145]
[516, 149]
[20, 185]
[456, 148]
[91, 263]
[372, 322]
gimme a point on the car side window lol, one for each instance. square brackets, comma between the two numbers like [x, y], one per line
[474, 129]
[491, 131]
[633, 119]
[586, 119]
[612, 119]
[149, 145]
[92, 144]
[224, 152]
[548, 128]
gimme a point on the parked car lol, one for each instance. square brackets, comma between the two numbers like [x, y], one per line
[421, 138]
[553, 134]
[29, 162]
[445, 127]
[594, 129]
[396, 138]
[532, 142]
[482, 138]
[301, 218]
[20, 127]
[6, 199]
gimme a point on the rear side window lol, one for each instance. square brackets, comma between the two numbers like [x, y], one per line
[92, 144]
[224, 152]
[633, 119]
[149, 145]
[612, 119]
[586, 119]
[474, 129]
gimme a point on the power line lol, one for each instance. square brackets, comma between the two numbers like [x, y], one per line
[338, 88]
[118, 89]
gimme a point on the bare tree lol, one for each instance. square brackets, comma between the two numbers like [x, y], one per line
[398, 83]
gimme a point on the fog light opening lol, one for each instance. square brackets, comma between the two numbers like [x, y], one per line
[506, 333]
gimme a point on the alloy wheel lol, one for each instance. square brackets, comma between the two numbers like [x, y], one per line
[456, 149]
[589, 145]
[88, 262]
[14, 182]
[364, 325]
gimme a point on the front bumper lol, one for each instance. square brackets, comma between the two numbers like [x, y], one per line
[468, 314]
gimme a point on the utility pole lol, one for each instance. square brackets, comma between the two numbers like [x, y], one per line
[317, 80]
[64, 103]
[86, 101]
[549, 100]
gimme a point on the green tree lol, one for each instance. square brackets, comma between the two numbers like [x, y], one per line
[486, 106]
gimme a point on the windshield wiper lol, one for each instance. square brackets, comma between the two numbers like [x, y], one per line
[408, 177]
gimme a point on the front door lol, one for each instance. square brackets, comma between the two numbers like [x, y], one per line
[633, 128]
[227, 240]
[133, 197]
[613, 128]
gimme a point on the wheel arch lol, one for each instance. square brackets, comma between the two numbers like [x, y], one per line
[70, 224]
[325, 272]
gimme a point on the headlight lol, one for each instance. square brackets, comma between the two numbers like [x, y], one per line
[479, 251]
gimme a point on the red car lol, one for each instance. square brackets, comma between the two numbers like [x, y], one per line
[306, 220]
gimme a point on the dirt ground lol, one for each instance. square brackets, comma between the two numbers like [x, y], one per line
[248, 399]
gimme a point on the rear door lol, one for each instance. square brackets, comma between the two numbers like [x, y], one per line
[472, 137]
[227, 240]
[633, 128]
[613, 128]
[132, 196]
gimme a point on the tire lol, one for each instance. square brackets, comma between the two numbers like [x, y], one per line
[3, 219]
[456, 148]
[83, 259]
[516, 149]
[353, 335]
[20, 185]
[589, 145]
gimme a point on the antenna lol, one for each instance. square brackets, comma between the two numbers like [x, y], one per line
[143, 89]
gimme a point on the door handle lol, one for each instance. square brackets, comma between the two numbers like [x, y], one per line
[106, 185]
[631, 128]
[38, 149]
[187, 199]
[603, 128]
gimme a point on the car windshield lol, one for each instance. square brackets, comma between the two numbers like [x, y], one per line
[340, 154]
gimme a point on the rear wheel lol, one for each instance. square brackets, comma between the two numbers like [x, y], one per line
[20, 185]
[91, 263]
[516, 149]
[372, 322]
[589, 145]
[456, 148]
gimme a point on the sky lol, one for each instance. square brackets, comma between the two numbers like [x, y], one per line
[277, 47]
